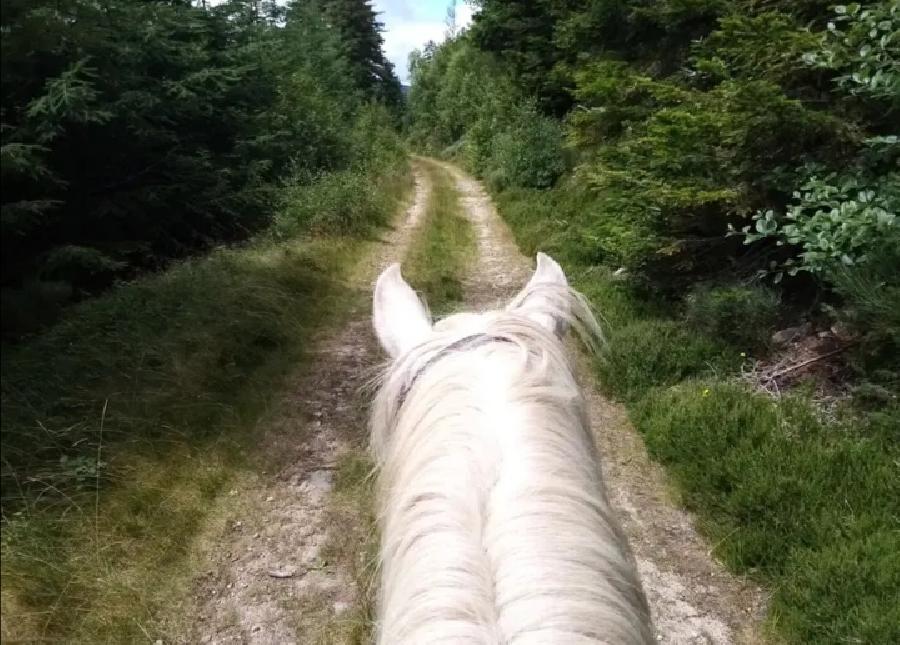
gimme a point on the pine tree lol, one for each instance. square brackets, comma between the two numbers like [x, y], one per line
[138, 132]
[357, 22]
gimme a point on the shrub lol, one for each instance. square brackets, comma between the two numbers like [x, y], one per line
[528, 153]
[871, 307]
[835, 221]
[741, 47]
[649, 353]
[354, 200]
[613, 96]
[339, 202]
[741, 315]
[809, 508]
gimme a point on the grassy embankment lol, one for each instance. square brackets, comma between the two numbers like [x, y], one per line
[808, 507]
[125, 422]
[435, 264]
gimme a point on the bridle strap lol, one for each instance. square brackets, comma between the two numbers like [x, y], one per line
[465, 343]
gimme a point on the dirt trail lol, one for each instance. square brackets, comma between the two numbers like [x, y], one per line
[267, 567]
[694, 600]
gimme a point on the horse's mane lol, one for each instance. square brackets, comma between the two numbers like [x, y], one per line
[569, 308]
[496, 524]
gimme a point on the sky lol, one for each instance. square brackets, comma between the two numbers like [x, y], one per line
[409, 24]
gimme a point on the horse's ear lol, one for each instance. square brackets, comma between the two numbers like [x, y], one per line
[401, 320]
[545, 299]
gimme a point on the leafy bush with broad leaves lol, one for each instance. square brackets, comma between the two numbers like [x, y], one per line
[834, 221]
[862, 43]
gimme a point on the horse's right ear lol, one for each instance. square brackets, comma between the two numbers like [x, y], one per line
[400, 319]
[545, 299]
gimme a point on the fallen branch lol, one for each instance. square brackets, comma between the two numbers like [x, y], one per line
[810, 361]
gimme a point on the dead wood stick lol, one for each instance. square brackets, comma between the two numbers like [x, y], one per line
[810, 361]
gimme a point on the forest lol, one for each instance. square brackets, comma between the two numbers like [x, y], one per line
[135, 133]
[189, 188]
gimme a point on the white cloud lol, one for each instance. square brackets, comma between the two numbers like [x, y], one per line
[402, 38]
[409, 24]
[464, 13]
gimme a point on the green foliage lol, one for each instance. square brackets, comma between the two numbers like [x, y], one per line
[340, 202]
[862, 42]
[522, 34]
[766, 476]
[871, 307]
[458, 90]
[360, 39]
[744, 316]
[528, 152]
[674, 164]
[742, 47]
[542, 41]
[355, 200]
[648, 353]
[612, 97]
[836, 220]
[139, 132]
[500, 136]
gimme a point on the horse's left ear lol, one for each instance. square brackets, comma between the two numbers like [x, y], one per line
[545, 299]
[400, 319]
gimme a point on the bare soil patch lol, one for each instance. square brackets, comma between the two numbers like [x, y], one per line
[266, 576]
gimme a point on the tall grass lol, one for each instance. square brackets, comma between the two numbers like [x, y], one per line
[809, 508]
[123, 424]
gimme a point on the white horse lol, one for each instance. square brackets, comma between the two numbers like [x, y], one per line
[495, 523]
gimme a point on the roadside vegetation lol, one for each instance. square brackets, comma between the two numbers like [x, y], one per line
[442, 246]
[721, 180]
[150, 132]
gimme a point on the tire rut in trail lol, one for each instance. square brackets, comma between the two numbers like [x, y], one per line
[693, 599]
[265, 569]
